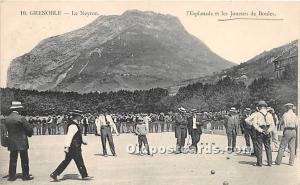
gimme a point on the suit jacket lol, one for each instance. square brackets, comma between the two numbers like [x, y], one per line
[180, 123]
[232, 123]
[18, 130]
[190, 125]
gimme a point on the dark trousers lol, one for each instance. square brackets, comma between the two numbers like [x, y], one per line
[49, 130]
[38, 130]
[53, 129]
[85, 127]
[231, 137]
[181, 135]
[155, 127]
[195, 135]
[106, 134]
[13, 163]
[253, 138]
[168, 127]
[262, 139]
[76, 155]
[162, 126]
[150, 127]
[142, 139]
[247, 137]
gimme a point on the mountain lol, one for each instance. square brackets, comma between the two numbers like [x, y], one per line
[136, 50]
[259, 66]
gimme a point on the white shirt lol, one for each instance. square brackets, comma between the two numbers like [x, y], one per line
[146, 120]
[289, 119]
[261, 120]
[194, 122]
[100, 121]
[71, 132]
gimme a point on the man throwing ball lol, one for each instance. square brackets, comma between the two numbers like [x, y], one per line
[72, 147]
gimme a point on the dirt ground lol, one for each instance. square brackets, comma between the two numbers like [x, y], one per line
[46, 152]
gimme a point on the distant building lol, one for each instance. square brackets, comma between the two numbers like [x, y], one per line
[285, 59]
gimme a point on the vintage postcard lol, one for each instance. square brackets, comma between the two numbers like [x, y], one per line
[149, 92]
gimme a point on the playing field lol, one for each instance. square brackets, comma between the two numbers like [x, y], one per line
[46, 152]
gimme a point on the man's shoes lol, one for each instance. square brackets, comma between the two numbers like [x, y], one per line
[115, 155]
[87, 178]
[105, 155]
[54, 177]
[27, 178]
[12, 178]
[257, 165]
[253, 154]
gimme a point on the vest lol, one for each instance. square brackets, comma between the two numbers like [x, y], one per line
[77, 139]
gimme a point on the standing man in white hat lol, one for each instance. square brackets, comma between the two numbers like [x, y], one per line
[18, 132]
[180, 129]
[290, 124]
[231, 125]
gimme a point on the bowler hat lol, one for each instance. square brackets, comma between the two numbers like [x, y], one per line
[16, 105]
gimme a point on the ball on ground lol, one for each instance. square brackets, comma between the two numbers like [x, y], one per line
[227, 157]
[225, 183]
[212, 172]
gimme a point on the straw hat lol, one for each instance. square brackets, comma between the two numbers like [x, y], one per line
[181, 109]
[233, 109]
[16, 105]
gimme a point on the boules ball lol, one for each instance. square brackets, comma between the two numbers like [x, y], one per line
[212, 172]
[227, 157]
[225, 183]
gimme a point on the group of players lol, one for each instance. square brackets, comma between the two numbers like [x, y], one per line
[259, 125]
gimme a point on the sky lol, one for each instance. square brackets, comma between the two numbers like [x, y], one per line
[236, 40]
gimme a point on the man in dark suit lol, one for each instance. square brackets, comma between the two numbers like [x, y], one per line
[72, 147]
[18, 130]
[194, 130]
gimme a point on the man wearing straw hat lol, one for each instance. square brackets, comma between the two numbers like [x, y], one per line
[180, 129]
[231, 125]
[18, 132]
[290, 123]
[72, 147]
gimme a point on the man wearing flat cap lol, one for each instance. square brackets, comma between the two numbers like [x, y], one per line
[72, 147]
[263, 123]
[18, 132]
[180, 129]
[290, 124]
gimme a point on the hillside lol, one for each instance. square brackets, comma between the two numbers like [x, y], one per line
[259, 66]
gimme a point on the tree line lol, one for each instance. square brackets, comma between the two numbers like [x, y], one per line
[215, 97]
